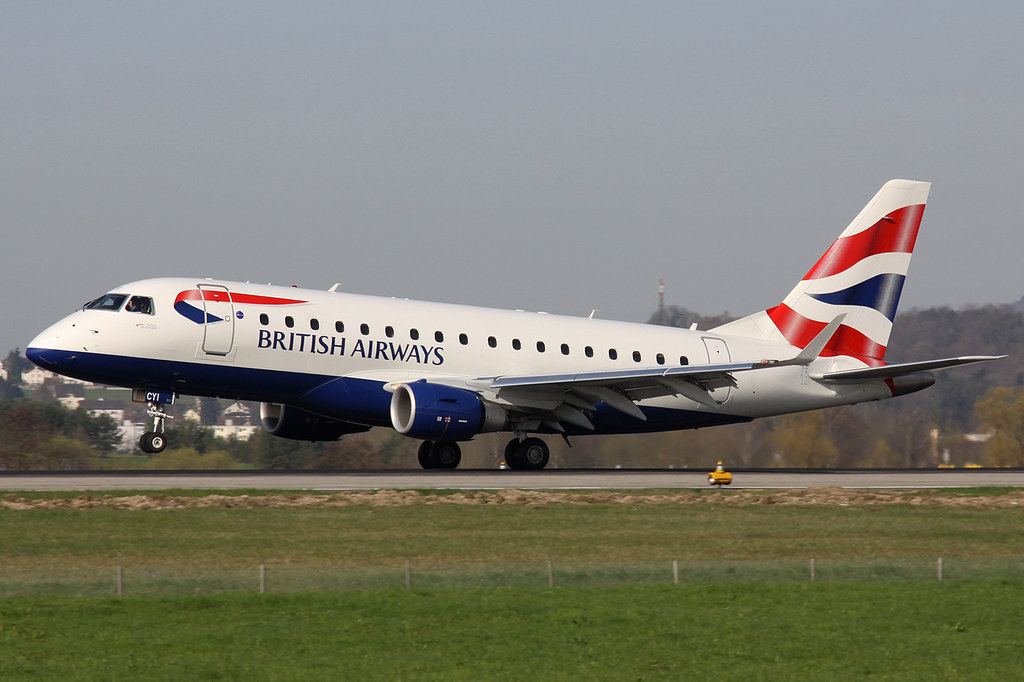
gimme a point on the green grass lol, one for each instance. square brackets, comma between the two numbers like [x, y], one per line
[442, 534]
[480, 607]
[916, 630]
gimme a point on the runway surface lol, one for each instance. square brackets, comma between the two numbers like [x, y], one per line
[552, 479]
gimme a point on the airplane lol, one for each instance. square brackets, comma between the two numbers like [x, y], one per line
[324, 364]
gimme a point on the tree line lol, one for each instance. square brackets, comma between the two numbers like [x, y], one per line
[923, 429]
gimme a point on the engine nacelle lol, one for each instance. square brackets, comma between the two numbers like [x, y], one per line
[441, 413]
[911, 383]
[285, 421]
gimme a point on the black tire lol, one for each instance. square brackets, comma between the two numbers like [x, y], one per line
[512, 460]
[423, 455]
[533, 453]
[445, 455]
[152, 442]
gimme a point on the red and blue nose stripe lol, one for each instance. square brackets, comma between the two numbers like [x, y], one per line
[199, 315]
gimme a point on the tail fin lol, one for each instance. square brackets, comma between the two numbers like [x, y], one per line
[861, 275]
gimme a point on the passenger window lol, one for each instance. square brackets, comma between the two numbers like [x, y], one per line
[516, 344]
[439, 337]
[492, 342]
[565, 349]
[339, 327]
[636, 356]
[683, 360]
[264, 319]
[414, 334]
[314, 324]
[540, 346]
[364, 329]
[613, 354]
[660, 359]
[588, 351]
[140, 304]
[463, 339]
[389, 332]
[289, 322]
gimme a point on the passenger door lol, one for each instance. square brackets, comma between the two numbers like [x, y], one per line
[718, 354]
[219, 330]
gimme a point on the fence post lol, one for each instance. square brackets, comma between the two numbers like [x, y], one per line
[120, 581]
[263, 579]
[939, 568]
[675, 572]
[812, 569]
[408, 575]
[551, 575]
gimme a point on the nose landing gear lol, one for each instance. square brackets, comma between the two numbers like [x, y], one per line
[154, 441]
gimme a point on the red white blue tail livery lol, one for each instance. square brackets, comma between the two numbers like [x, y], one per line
[860, 277]
[326, 363]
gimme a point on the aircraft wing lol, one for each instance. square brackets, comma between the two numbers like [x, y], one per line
[550, 399]
[900, 369]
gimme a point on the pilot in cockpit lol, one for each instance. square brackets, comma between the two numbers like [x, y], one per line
[140, 304]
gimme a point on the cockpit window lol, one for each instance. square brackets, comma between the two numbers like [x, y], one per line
[140, 304]
[106, 302]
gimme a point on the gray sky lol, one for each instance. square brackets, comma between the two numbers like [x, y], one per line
[557, 156]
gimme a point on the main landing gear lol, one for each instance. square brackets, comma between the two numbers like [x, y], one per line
[528, 453]
[439, 455]
[154, 441]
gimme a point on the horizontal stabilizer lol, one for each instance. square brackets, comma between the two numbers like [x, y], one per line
[901, 369]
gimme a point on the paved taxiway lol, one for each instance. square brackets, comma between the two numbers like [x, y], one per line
[552, 479]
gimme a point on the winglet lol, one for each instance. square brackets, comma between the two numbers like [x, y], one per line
[813, 349]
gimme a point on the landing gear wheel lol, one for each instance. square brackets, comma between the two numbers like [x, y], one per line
[423, 454]
[512, 454]
[445, 455]
[152, 442]
[534, 453]
[531, 453]
[439, 455]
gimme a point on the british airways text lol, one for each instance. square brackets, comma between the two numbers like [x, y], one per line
[325, 344]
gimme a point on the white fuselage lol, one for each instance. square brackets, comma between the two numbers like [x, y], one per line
[277, 344]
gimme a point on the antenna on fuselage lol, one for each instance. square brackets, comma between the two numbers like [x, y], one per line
[335, 287]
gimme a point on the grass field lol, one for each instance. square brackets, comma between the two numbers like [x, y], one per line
[918, 631]
[239, 532]
[904, 628]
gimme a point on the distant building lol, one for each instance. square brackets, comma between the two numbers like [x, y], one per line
[35, 377]
[235, 420]
[237, 413]
[238, 431]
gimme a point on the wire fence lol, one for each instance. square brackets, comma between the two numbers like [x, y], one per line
[178, 580]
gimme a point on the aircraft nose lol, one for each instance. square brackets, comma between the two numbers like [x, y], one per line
[46, 349]
[40, 356]
[41, 351]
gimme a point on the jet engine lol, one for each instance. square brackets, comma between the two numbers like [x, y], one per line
[441, 413]
[285, 421]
